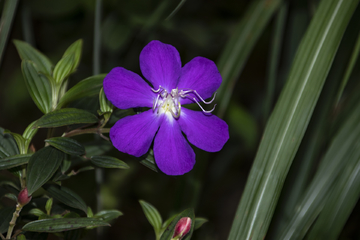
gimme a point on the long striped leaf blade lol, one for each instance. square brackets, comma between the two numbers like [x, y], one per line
[65, 116]
[240, 45]
[14, 161]
[340, 203]
[289, 120]
[343, 151]
[62, 224]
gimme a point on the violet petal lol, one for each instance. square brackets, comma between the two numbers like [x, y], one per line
[160, 64]
[126, 89]
[173, 154]
[134, 134]
[207, 132]
[202, 75]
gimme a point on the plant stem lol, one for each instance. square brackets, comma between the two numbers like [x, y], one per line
[13, 220]
[75, 132]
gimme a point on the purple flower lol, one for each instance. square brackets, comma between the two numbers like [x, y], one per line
[172, 87]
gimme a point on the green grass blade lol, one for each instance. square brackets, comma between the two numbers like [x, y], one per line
[350, 67]
[7, 17]
[340, 203]
[289, 120]
[343, 151]
[240, 45]
[273, 62]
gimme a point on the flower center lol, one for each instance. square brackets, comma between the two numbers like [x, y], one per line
[169, 102]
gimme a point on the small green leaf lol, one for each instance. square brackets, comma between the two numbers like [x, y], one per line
[42, 166]
[6, 214]
[149, 161]
[11, 196]
[169, 232]
[37, 212]
[66, 164]
[75, 50]
[21, 237]
[20, 141]
[66, 116]
[38, 86]
[48, 206]
[89, 212]
[62, 224]
[14, 161]
[66, 196]
[67, 145]
[199, 222]
[68, 63]
[8, 145]
[108, 215]
[85, 88]
[152, 215]
[108, 162]
[63, 68]
[27, 52]
[106, 108]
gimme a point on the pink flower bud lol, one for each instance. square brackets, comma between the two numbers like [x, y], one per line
[23, 197]
[182, 227]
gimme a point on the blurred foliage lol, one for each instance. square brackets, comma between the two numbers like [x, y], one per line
[199, 28]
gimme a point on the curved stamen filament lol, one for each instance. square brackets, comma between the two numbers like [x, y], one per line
[184, 94]
[160, 89]
[203, 108]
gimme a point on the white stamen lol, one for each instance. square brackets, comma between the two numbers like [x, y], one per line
[170, 102]
[203, 108]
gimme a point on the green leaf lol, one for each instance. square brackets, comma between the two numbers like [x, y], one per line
[63, 68]
[89, 212]
[152, 215]
[108, 215]
[88, 87]
[38, 86]
[149, 161]
[62, 224]
[8, 146]
[199, 222]
[66, 196]
[108, 162]
[75, 50]
[37, 212]
[68, 63]
[66, 116]
[289, 120]
[41, 167]
[21, 237]
[20, 141]
[343, 152]
[67, 145]
[48, 206]
[6, 214]
[169, 232]
[27, 52]
[14, 161]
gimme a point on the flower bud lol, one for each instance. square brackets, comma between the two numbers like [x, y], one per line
[182, 227]
[23, 197]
